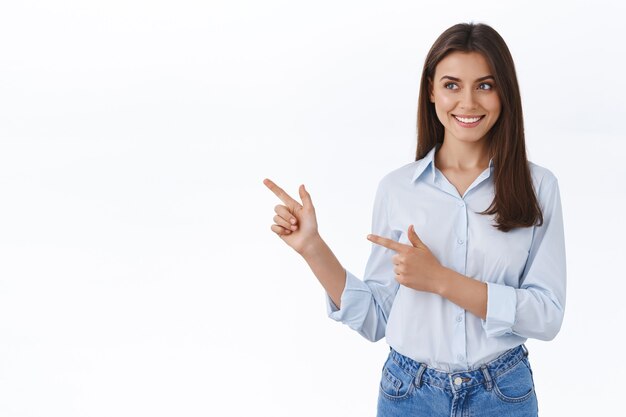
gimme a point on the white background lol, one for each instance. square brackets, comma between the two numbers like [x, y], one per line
[138, 272]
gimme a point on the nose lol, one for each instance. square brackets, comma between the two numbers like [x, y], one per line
[467, 99]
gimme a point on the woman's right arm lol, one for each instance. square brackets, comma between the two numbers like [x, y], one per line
[362, 305]
[296, 225]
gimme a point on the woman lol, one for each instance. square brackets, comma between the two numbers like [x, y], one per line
[468, 255]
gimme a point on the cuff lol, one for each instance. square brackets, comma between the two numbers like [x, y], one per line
[501, 306]
[352, 289]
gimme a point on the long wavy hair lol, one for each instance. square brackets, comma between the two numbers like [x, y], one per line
[515, 203]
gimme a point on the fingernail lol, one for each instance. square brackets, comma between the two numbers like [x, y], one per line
[294, 227]
[293, 221]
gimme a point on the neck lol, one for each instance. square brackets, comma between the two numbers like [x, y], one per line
[462, 156]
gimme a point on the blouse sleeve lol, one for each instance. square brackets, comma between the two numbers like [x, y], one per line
[365, 305]
[536, 308]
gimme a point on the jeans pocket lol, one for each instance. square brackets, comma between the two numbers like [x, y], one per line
[516, 384]
[395, 382]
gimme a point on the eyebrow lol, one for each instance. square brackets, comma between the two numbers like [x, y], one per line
[486, 77]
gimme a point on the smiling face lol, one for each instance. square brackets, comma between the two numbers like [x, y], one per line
[464, 93]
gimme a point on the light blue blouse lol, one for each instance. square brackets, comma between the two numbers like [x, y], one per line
[524, 270]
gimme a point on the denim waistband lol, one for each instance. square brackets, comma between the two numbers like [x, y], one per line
[462, 379]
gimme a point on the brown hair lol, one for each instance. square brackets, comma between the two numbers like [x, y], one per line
[515, 203]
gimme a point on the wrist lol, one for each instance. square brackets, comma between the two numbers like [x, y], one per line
[312, 246]
[443, 280]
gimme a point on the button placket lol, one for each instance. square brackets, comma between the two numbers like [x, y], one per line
[460, 262]
[460, 229]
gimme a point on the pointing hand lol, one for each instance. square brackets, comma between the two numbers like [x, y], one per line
[294, 223]
[414, 265]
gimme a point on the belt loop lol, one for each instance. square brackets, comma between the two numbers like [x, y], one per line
[525, 350]
[418, 377]
[487, 375]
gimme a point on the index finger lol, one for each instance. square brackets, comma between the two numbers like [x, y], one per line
[388, 243]
[280, 193]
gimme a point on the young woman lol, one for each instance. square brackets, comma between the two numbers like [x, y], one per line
[468, 255]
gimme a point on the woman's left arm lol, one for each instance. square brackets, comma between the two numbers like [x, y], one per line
[416, 267]
[535, 309]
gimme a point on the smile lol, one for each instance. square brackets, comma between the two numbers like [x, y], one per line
[468, 121]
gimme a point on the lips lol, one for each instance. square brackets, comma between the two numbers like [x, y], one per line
[468, 121]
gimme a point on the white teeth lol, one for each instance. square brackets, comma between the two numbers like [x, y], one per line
[465, 120]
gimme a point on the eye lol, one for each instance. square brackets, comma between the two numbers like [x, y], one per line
[451, 86]
[485, 86]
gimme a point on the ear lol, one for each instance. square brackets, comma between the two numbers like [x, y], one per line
[430, 90]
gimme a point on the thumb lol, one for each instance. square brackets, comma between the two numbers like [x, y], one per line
[413, 238]
[305, 197]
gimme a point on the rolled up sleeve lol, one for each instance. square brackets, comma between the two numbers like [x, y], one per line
[501, 302]
[365, 305]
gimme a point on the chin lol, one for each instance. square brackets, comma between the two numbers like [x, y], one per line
[471, 139]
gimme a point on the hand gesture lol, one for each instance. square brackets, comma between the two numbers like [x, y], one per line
[295, 223]
[415, 265]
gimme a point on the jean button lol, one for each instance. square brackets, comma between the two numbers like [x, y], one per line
[458, 380]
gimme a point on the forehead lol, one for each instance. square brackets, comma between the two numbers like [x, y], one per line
[469, 65]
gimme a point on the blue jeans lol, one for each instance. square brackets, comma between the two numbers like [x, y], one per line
[503, 387]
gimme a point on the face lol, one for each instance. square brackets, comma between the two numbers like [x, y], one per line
[465, 97]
